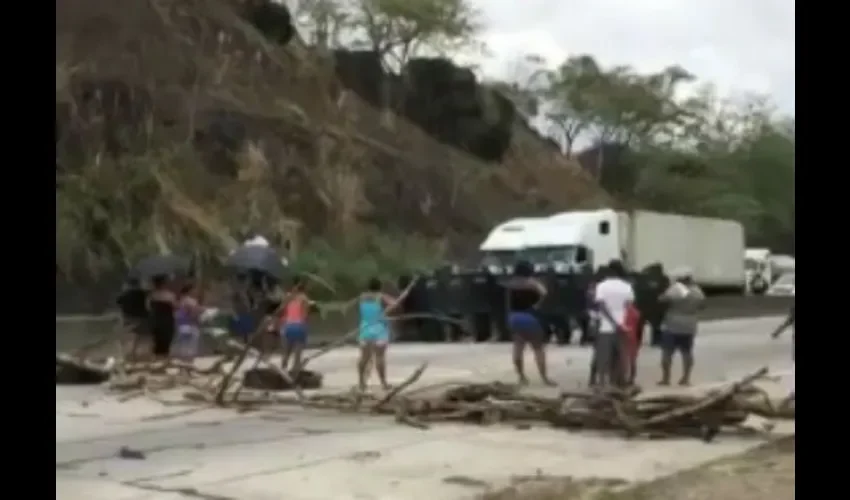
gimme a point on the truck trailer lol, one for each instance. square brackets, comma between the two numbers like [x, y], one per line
[710, 248]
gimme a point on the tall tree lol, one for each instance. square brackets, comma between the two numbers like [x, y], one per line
[325, 22]
[398, 29]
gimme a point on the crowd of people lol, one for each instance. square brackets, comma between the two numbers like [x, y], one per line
[166, 313]
[616, 325]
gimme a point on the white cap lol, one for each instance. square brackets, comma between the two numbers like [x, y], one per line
[257, 241]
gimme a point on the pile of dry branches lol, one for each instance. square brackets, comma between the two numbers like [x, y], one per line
[624, 411]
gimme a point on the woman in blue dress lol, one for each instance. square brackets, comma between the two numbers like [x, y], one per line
[374, 331]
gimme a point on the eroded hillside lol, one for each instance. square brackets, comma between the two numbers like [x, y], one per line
[179, 122]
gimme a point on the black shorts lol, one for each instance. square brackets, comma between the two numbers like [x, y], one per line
[162, 338]
[682, 342]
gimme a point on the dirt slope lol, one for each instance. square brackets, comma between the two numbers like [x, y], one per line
[178, 85]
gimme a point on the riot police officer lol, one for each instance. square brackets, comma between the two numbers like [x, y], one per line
[650, 284]
[482, 289]
[555, 311]
[580, 302]
[455, 303]
[431, 328]
[410, 329]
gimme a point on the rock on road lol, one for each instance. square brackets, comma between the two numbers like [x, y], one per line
[297, 454]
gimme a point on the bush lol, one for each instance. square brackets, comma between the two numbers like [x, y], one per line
[341, 270]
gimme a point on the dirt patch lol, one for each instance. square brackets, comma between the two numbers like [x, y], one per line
[765, 473]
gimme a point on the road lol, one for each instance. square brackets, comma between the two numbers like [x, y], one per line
[297, 454]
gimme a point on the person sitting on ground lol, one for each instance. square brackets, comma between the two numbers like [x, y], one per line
[613, 296]
[684, 299]
[293, 324]
[374, 331]
[188, 320]
[525, 294]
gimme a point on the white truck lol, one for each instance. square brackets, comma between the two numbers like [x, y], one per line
[711, 248]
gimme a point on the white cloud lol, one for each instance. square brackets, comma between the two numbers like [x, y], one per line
[739, 45]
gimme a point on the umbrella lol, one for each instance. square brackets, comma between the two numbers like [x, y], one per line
[257, 258]
[161, 265]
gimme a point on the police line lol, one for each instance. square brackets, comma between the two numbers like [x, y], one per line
[480, 298]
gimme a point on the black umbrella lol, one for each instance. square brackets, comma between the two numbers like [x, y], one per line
[161, 265]
[257, 258]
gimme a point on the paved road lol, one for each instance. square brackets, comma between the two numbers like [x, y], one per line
[299, 455]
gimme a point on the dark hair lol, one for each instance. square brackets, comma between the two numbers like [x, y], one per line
[616, 269]
[374, 285]
[159, 281]
[186, 288]
[523, 269]
[603, 272]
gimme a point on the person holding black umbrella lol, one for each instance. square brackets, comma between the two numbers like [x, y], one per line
[131, 302]
[162, 303]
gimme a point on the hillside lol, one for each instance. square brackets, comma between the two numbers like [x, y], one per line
[179, 124]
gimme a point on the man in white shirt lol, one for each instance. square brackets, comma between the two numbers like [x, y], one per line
[612, 298]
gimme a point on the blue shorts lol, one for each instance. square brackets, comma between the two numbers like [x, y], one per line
[294, 332]
[525, 326]
[377, 333]
[243, 325]
[672, 342]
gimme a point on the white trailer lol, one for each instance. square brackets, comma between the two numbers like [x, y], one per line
[711, 248]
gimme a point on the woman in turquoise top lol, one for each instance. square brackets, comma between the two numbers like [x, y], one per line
[374, 331]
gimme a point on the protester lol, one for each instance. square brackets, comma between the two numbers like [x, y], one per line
[593, 318]
[188, 319]
[525, 293]
[131, 302]
[684, 299]
[612, 296]
[374, 331]
[244, 322]
[162, 303]
[293, 327]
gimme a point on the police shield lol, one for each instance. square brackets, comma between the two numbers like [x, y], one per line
[434, 294]
[562, 289]
[482, 286]
[457, 300]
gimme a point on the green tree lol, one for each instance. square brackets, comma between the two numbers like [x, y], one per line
[324, 22]
[398, 29]
[732, 160]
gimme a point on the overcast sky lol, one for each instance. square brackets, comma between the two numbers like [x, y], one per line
[739, 45]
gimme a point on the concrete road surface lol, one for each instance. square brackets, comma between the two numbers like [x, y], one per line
[297, 454]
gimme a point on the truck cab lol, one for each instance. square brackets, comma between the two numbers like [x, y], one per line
[581, 238]
[504, 243]
[566, 241]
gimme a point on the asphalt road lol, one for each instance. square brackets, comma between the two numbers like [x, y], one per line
[298, 454]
